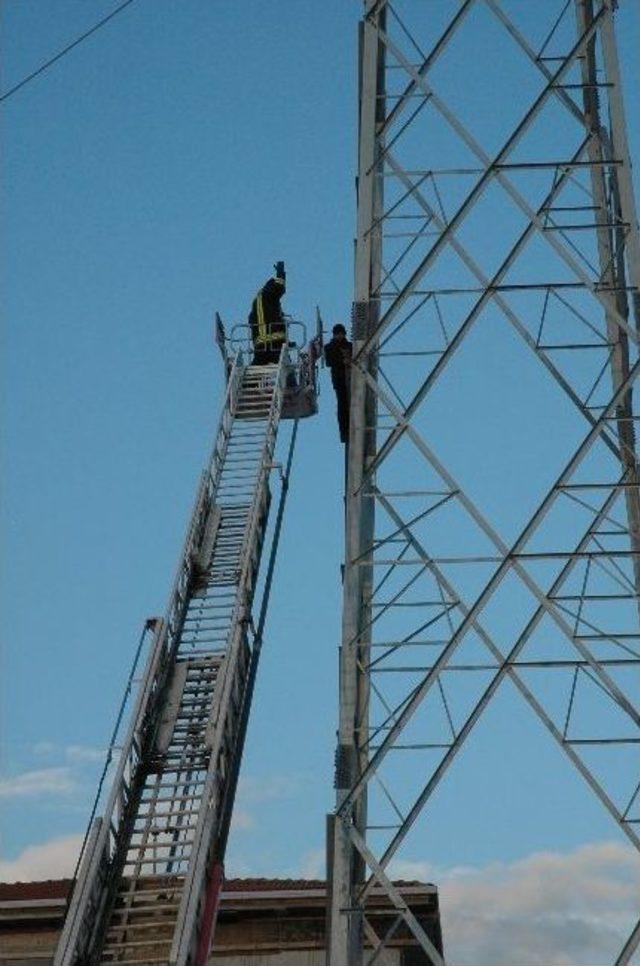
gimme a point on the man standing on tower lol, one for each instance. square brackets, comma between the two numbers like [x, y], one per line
[268, 328]
[337, 354]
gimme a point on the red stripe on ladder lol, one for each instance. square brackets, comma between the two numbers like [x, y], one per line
[215, 881]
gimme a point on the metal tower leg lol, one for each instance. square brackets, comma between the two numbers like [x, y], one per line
[345, 932]
[442, 604]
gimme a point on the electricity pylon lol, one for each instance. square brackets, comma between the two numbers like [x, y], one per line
[497, 260]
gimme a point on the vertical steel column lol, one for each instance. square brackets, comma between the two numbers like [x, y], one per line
[615, 208]
[345, 922]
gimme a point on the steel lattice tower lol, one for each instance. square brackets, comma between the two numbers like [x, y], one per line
[496, 228]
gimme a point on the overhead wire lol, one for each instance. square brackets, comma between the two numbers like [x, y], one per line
[74, 43]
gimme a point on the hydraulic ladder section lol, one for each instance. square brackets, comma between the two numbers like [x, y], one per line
[151, 870]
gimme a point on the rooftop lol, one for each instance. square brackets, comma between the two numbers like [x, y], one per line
[261, 917]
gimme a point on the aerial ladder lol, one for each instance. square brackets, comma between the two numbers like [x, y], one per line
[151, 870]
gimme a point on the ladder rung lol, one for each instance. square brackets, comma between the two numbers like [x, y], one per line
[159, 830]
[174, 798]
[171, 812]
[156, 830]
[141, 927]
[178, 887]
[198, 714]
[176, 764]
[129, 962]
[146, 910]
[136, 943]
[155, 846]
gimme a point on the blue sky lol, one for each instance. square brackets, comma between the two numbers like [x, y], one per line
[151, 177]
[154, 177]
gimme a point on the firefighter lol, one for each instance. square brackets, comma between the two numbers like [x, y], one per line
[337, 354]
[268, 328]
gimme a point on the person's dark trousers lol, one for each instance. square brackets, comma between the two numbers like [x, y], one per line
[342, 395]
[263, 357]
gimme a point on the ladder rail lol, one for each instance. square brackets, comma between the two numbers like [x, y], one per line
[216, 459]
[185, 936]
[257, 645]
[81, 895]
[166, 817]
[100, 843]
[102, 846]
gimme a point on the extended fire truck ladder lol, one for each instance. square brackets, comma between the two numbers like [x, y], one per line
[150, 873]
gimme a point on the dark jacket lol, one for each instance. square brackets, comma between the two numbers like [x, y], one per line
[268, 329]
[337, 355]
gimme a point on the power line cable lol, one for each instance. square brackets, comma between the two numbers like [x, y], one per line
[65, 50]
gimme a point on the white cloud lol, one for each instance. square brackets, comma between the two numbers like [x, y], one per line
[548, 909]
[242, 820]
[51, 860]
[75, 754]
[44, 748]
[79, 754]
[313, 865]
[253, 791]
[269, 788]
[45, 781]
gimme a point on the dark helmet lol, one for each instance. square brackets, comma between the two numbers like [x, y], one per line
[339, 329]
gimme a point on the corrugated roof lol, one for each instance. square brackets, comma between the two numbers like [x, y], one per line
[271, 885]
[59, 888]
